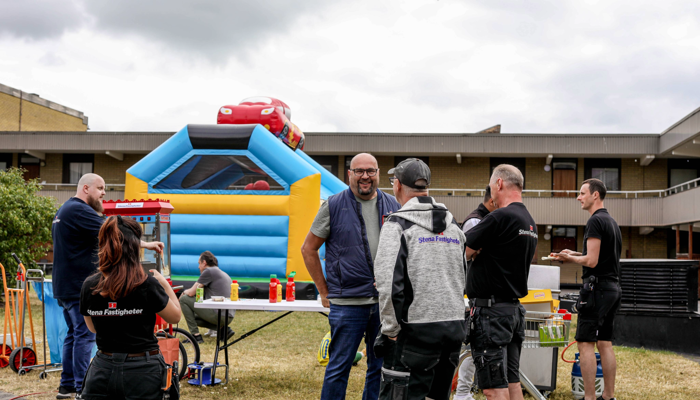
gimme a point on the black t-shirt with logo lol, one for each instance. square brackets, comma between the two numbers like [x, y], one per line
[508, 239]
[124, 325]
[602, 226]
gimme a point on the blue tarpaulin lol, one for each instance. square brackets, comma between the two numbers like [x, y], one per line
[56, 328]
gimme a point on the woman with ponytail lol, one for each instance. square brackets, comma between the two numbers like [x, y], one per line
[119, 303]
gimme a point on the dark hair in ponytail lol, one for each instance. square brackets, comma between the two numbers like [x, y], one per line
[209, 258]
[120, 266]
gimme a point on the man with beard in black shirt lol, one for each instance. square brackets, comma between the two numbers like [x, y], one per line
[600, 296]
[505, 241]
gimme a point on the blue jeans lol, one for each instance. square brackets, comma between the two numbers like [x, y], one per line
[77, 347]
[348, 325]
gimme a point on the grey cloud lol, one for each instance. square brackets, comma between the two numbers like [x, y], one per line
[634, 96]
[214, 29]
[51, 60]
[38, 19]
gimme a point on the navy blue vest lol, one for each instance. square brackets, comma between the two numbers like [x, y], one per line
[349, 266]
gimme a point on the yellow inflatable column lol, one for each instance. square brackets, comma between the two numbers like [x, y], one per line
[303, 207]
[135, 188]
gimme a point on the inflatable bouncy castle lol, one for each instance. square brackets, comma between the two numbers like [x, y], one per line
[238, 191]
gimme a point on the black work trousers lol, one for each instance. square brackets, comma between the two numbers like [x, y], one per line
[118, 377]
[412, 372]
[497, 339]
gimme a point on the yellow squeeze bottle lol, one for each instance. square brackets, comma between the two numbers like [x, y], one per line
[234, 290]
[279, 291]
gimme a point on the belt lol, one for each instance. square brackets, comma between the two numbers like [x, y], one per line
[493, 300]
[130, 355]
[601, 279]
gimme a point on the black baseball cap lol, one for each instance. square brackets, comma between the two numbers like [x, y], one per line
[410, 171]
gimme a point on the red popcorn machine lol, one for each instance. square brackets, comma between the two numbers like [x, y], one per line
[154, 217]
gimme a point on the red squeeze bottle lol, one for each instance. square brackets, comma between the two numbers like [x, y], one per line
[273, 288]
[291, 287]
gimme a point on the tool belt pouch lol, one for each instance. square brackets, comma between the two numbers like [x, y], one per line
[397, 381]
[382, 345]
[467, 328]
[171, 382]
[491, 369]
[586, 299]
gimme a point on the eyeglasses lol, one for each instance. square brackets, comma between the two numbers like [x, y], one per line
[393, 179]
[360, 172]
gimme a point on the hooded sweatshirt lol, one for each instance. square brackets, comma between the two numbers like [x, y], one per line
[420, 270]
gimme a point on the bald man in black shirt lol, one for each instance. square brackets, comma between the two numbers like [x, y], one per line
[506, 241]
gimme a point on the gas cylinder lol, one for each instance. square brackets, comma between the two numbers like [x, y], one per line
[577, 379]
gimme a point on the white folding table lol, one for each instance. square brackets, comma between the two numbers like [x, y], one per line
[252, 305]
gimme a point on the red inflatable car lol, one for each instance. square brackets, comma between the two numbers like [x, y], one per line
[271, 113]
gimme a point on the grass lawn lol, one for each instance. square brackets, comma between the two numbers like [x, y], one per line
[279, 362]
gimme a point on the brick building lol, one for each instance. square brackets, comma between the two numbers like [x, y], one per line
[651, 177]
[28, 112]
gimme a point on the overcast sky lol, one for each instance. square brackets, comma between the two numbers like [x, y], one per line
[554, 66]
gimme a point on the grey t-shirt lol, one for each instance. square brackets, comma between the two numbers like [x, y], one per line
[216, 283]
[321, 227]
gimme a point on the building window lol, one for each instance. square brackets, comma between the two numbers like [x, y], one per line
[605, 169]
[682, 170]
[563, 237]
[328, 162]
[609, 176]
[5, 161]
[77, 165]
[518, 163]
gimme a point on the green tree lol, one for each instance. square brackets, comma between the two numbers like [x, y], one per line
[25, 222]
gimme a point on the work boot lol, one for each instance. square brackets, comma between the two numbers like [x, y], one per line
[65, 392]
[229, 332]
[198, 338]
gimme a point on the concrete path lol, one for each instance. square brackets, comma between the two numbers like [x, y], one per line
[6, 396]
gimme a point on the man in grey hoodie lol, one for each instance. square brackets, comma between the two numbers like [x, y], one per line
[420, 272]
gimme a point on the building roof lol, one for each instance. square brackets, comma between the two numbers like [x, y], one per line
[680, 140]
[36, 99]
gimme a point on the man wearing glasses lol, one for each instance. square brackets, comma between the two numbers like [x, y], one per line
[349, 224]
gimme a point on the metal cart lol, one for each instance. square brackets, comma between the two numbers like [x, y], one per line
[46, 366]
[544, 334]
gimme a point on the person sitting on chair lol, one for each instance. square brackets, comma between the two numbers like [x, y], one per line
[119, 303]
[215, 283]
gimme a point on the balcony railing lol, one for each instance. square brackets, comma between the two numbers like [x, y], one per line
[672, 206]
[626, 194]
[64, 191]
[74, 186]
[617, 194]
